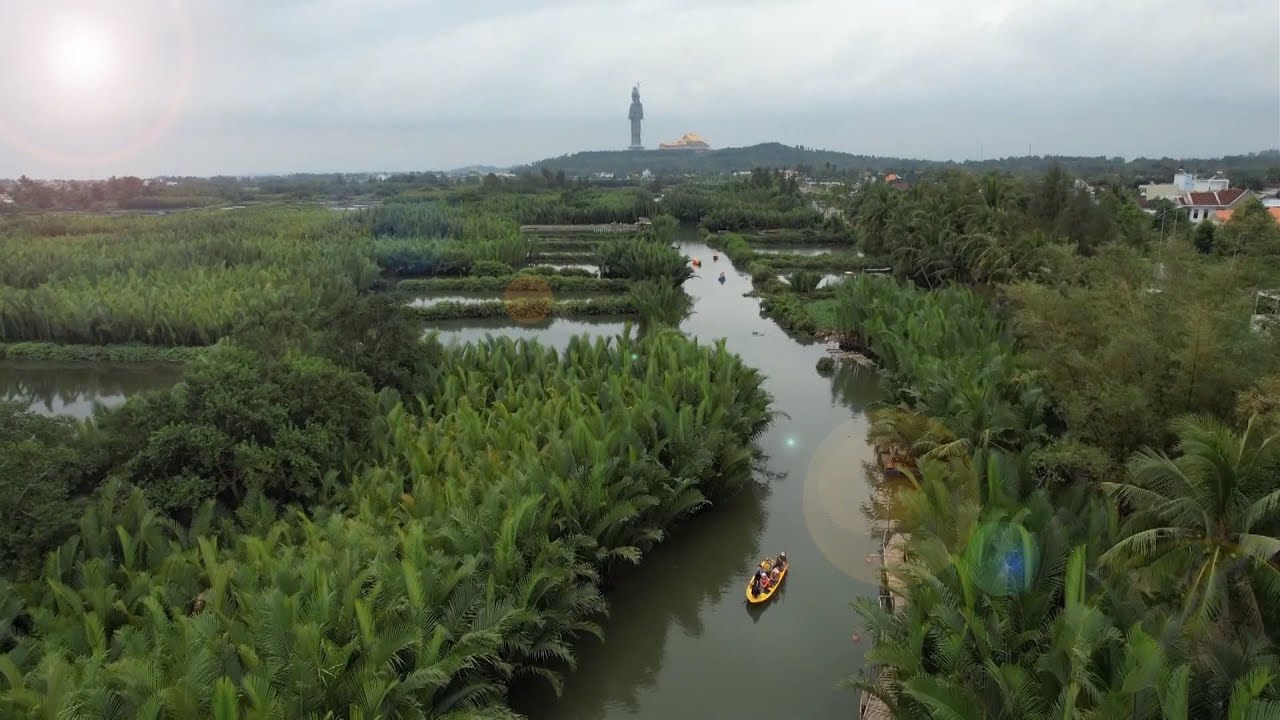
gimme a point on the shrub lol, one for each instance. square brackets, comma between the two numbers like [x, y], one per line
[491, 268]
[826, 366]
[642, 260]
[789, 312]
[804, 281]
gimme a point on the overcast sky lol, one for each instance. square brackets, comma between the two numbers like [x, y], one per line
[204, 87]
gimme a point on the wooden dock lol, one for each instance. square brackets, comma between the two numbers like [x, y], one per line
[893, 591]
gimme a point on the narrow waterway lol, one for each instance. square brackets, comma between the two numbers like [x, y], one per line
[680, 641]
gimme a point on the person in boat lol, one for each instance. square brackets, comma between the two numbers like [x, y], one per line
[765, 582]
[721, 278]
[757, 582]
[782, 559]
[715, 257]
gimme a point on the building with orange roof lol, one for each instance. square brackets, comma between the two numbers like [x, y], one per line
[1222, 216]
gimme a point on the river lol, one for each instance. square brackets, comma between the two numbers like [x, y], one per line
[680, 641]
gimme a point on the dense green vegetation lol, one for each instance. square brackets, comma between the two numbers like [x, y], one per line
[765, 199]
[329, 515]
[96, 353]
[424, 580]
[1091, 522]
[177, 281]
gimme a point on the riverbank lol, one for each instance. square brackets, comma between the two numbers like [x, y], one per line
[526, 309]
[122, 353]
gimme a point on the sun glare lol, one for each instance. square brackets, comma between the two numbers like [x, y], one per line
[81, 57]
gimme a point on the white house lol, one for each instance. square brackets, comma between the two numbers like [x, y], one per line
[1200, 197]
[1202, 205]
[1183, 183]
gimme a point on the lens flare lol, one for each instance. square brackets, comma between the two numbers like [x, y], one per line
[836, 494]
[1003, 558]
[85, 73]
[81, 58]
[527, 300]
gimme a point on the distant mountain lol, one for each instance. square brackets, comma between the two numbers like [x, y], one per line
[476, 170]
[777, 155]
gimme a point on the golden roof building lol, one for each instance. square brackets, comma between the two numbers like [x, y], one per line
[690, 141]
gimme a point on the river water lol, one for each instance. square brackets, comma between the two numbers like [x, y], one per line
[72, 388]
[680, 641]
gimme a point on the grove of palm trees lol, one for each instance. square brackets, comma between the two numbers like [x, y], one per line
[1091, 497]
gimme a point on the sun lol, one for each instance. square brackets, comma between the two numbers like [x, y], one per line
[81, 57]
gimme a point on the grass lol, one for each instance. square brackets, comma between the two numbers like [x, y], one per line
[823, 313]
[120, 353]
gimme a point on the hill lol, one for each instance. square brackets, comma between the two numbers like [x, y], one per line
[1259, 168]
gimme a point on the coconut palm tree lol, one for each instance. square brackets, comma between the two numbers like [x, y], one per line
[1203, 524]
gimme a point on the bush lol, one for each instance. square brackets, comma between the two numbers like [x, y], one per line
[789, 312]
[761, 274]
[491, 268]
[37, 506]
[826, 366]
[643, 260]
[804, 281]
[737, 248]
[417, 257]
[126, 352]
[239, 423]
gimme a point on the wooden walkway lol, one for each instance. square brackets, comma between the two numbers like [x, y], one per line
[893, 594]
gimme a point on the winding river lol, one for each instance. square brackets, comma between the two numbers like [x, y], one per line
[680, 641]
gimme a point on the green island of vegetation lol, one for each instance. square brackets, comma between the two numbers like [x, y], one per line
[335, 513]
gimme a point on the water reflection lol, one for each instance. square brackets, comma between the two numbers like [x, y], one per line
[680, 639]
[555, 332]
[467, 297]
[659, 609]
[53, 388]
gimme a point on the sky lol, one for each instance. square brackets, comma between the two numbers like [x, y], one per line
[203, 87]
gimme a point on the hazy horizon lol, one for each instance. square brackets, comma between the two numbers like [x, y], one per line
[160, 87]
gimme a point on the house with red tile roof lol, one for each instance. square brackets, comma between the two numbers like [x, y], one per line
[1202, 205]
[1222, 216]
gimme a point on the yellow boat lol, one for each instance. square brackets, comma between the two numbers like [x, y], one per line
[765, 596]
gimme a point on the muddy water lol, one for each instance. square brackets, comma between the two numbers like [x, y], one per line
[681, 642]
[72, 388]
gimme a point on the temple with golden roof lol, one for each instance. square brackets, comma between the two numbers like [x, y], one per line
[690, 141]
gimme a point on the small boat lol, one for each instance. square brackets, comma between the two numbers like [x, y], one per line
[766, 595]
